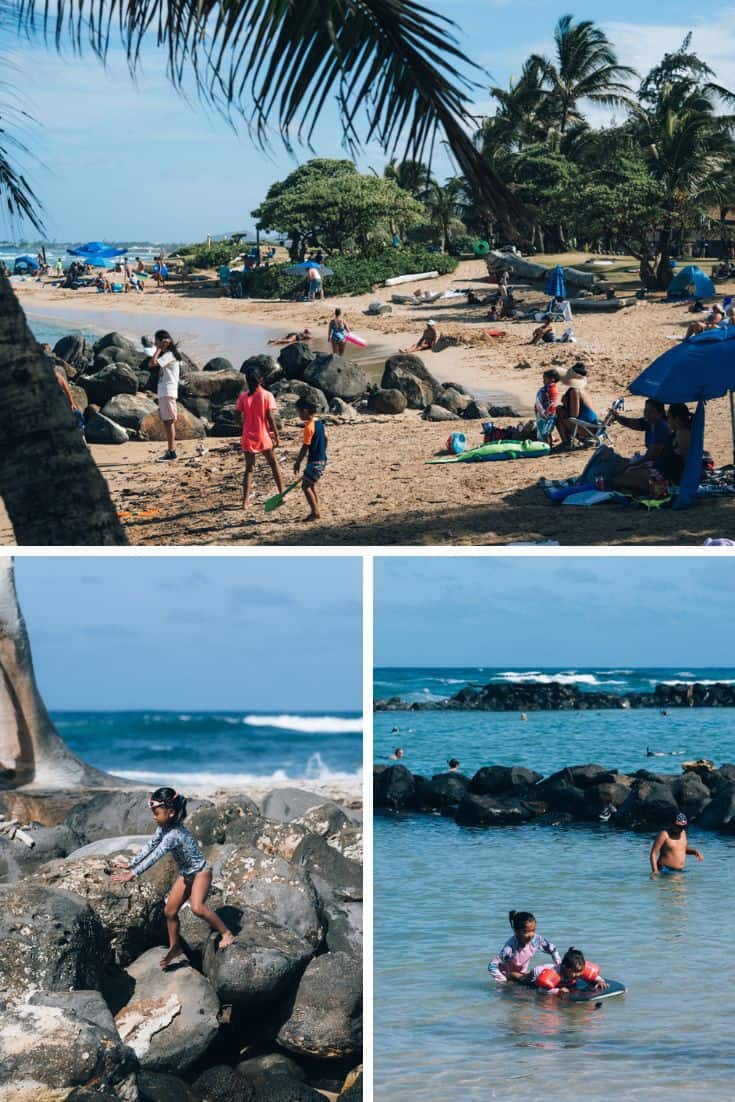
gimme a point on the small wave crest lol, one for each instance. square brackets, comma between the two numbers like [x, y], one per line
[571, 678]
[307, 725]
[210, 781]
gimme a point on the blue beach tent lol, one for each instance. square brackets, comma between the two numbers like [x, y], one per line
[555, 284]
[696, 370]
[691, 282]
[25, 265]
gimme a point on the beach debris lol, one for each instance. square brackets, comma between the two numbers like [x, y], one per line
[10, 828]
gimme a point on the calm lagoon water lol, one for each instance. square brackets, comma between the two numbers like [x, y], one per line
[443, 1030]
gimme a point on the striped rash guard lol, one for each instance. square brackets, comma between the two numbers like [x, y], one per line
[514, 957]
[175, 840]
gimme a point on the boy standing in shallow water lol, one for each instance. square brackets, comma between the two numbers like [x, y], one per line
[670, 849]
[315, 447]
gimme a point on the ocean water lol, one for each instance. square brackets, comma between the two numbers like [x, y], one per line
[443, 1030]
[203, 750]
[549, 740]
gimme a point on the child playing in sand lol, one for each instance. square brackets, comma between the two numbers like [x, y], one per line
[169, 811]
[669, 850]
[513, 962]
[573, 969]
[259, 432]
[315, 447]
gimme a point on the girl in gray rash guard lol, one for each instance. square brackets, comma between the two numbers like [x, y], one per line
[195, 879]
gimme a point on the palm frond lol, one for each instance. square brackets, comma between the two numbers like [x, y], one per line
[275, 62]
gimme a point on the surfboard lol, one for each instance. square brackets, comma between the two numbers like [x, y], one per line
[589, 995]
[354, 339]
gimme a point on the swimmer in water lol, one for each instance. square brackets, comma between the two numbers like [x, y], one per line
[669, 850]
[397, 754]
[566, 978]
[524, 717]
[453, 765]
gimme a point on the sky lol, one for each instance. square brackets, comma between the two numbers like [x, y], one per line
[554, 611]
[275, 634]
[133, 162]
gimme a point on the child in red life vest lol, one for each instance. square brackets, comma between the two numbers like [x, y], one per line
[573, 969]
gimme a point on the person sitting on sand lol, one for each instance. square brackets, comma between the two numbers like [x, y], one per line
[259, 432]
[139, 266]
[337, 332]
[304, 336]
[669, 850]
[608, 465]
[714, 320]
[544, 334]
[669, 463]
[195, 875]
[492, 314]
[103, 284]
[427, 340]
[314, 450]
[513, 962]
[574, 403]
[573, 969]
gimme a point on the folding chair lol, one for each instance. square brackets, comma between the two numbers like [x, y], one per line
[594, 432]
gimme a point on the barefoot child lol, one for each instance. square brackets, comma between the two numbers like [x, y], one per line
[259, 432]
[513, 962]
[315, 447]
[166, 358]
[669, 850]
[169, 811]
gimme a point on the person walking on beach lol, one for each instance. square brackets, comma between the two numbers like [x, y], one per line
[195, 875]
[259, 433]
[315, 447]
[337, 332]
[166, 359]
[669, 850]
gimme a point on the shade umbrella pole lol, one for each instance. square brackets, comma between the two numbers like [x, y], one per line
[732, 423]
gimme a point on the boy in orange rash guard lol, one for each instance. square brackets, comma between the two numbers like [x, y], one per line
[572, 969]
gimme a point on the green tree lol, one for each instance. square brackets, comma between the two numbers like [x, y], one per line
[330, 205]
[445, 206]
[585, 68]
[395, 69]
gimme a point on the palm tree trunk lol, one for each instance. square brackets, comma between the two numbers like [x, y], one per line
[52, 489]
[664, 273]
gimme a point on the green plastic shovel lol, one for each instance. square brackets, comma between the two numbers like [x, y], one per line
[277, 500]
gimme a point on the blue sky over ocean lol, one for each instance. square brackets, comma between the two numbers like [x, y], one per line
[135, 161]
[276, 634]
[554, 611]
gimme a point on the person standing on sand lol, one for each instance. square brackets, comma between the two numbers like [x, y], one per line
[195, 875]
[166, 359]
[337, 332]
[259, 433]
[315, 448]
[669, 850]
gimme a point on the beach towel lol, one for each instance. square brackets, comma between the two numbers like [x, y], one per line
[591, 497]
[502, 449]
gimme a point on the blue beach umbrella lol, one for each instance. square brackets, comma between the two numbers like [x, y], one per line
[25, 261]
[98, 249]
[555, 284]
[299, 269]
[696, 370]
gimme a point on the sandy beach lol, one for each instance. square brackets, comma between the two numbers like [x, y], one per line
[378, 488]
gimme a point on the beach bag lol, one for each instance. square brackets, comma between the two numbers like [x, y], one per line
[456, 443]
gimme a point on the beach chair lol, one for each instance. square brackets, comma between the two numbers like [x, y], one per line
[589, 432]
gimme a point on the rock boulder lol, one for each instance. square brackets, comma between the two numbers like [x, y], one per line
[336, 377]
[116, 378]
[188, 427]
[407, 373]
[387, 401]
[99, 429]
[326, 1020]
[128, 410]
[261, 965]
[171, 1019]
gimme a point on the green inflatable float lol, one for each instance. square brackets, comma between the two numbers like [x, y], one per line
[500, 449]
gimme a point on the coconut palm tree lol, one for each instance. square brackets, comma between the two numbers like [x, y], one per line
[688, 144]
[445, 206]
[585, 68]
[413, 176]
[399, 78]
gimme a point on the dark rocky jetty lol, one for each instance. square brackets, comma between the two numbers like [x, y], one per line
[86, 1011]
[529, 697]
[502, 795]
